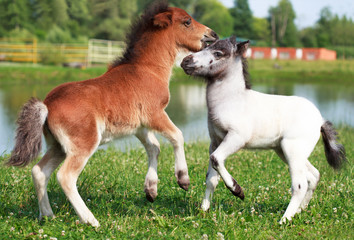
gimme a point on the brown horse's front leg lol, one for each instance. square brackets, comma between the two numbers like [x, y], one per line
[162, 123]
[152, 146]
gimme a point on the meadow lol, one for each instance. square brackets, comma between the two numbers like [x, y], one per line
[112, 187]
[339, 71]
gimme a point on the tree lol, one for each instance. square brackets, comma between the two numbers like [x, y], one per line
[308, 37]
[261, 31]
[79, 18]
[15, 15]
[242, 19]
[50, 12]
[284, 32]
[214, 15]
[111, 19]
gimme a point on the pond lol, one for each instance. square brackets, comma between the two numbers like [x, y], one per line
[187, 107]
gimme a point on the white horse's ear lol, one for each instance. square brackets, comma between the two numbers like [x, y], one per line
[232, 39]
[242, 47]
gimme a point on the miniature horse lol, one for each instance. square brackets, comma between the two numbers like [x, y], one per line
[129, 98]
[239, 117]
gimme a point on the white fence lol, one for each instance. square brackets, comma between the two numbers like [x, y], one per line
[103, 51]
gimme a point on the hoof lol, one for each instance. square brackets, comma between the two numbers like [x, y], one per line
[183, 179]
[94, 223]
[41, 217]
[150, 198]
[184, 185]
[151, 190]
[205, 205]
[236, 190]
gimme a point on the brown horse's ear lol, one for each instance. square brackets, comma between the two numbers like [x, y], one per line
[242, 47]
[163, 20]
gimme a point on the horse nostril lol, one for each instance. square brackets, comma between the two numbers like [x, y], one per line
[214, 35]
[187, 61]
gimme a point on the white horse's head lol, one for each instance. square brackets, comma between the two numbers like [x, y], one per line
[213, 61]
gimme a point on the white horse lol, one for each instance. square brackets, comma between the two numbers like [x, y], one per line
[239, 117]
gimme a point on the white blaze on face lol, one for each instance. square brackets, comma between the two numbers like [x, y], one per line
[203, 59]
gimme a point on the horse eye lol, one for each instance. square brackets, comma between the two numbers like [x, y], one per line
[188, 22]
[218, 54]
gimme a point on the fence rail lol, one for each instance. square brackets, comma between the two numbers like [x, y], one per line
[95, 52]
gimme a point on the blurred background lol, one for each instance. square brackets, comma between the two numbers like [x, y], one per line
[300, 23]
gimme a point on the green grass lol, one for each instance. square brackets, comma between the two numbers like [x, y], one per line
[340, 71]
[38, 74]
[112, 186]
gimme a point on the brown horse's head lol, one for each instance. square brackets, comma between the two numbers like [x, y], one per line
[189, 33]
[161, 29]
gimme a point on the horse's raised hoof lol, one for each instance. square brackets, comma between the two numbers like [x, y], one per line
[151, 190]
[205, 205]
[150, 198]
[183, 179]
[151, 195]
[236, 190]
[93, 222]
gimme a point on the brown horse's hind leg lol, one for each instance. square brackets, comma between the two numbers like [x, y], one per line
[162, 123]
[152, 146]
[41, 173]
[67, 177]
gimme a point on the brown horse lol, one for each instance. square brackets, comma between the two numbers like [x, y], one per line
[129, 98]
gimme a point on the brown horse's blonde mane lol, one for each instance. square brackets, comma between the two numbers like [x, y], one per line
[139, 26]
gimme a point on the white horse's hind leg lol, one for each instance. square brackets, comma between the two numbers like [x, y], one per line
[41, 173]
[313, 177]
[212, 180]
[152, 146]
[296, 154]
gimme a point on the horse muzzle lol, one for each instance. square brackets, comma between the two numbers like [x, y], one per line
[188, 65]
[209, 38]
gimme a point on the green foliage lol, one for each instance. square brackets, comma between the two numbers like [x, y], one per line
[115, 15]
[15, 14]
[112, 187]
[284, 32]
[52, 57]
[58, 35]
[344, 52]
[20, 35]
[215, 15]
[261, 31]
[242, 19]
[308, 37]
[331, 32]
[59, 21]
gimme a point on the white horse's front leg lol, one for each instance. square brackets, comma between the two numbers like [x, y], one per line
[231, 144]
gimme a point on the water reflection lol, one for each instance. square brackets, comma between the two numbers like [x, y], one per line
[187, 107]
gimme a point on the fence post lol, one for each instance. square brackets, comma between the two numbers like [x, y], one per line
[34, 51]
[89, 53]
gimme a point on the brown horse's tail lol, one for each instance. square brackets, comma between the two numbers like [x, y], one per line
[29, 133]
[335, 152]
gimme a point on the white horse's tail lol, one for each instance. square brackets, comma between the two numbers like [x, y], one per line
[335, 152]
